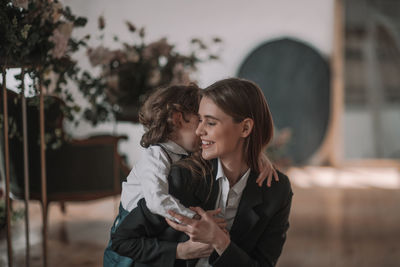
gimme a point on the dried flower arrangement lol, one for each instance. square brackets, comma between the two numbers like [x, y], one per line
[128, 74]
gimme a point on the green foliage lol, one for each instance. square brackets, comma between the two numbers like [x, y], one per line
[36, 36]
[15, 214]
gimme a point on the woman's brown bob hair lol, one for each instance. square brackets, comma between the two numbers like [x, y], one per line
[243, 99]
[156, 113]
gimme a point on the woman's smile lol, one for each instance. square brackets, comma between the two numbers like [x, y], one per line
[206, 144]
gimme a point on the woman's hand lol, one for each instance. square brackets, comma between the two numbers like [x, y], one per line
[193, 250]
[205, 230]
[267, 170]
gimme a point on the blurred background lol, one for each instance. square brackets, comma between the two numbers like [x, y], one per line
[328, 68]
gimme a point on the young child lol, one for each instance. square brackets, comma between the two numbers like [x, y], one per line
[170, 119]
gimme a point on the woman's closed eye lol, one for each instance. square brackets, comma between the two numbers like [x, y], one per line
[208, 122]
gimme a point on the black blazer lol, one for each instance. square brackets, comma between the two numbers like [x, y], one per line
[257, 235]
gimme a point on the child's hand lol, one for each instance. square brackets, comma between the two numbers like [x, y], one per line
[267, 170]
[221, 222]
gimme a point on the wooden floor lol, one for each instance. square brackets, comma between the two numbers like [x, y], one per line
[346, 225]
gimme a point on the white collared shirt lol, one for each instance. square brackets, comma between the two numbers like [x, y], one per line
[228, 200]
[148, 180]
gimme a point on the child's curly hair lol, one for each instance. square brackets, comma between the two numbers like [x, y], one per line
[156, 113]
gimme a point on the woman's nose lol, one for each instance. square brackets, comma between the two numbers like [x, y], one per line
[200, 129]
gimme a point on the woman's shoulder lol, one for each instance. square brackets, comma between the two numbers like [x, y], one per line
[284, 180]
[279, 190]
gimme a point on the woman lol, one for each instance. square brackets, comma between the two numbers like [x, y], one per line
[235, 127]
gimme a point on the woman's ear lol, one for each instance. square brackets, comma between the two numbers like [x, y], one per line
[247, 127]
[177, 119]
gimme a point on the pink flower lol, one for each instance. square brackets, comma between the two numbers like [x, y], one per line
[283, 137]
[21, 3]
[118, 55]
[60, 39]
[113, 81]
[155, 77]
[181, 76]
[49, 11]
[56, 11]
[100, 56]
[156, 49]
[132, 55]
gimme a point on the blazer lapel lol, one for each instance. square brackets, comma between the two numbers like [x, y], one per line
[246, 217]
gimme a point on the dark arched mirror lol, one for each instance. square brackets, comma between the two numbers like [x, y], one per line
[295, 79]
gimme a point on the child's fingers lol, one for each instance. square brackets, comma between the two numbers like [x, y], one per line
[219, 220]
[198, 210]
[261, 177]
[269, 181]
[276, 175]
[214, 212]
[178, 227]
[273, 174]
[261, 181]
